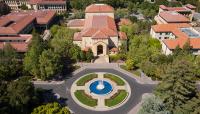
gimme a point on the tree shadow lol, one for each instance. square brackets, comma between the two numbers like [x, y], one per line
[48, 96]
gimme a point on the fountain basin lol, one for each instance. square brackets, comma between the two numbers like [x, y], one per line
[100, 87]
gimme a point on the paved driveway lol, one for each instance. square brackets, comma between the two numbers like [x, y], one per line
[137, 90]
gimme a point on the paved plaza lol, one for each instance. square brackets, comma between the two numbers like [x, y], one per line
[101, 98]
[138, 88]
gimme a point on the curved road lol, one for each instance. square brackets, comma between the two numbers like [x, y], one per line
[63, 90]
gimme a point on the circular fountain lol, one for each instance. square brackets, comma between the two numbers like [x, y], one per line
[100, 87]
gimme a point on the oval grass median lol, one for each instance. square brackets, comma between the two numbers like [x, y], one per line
[85, 99]
[115, 78]
[85, 79]
[117, 98]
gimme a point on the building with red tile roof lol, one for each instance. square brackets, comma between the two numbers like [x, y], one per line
[173, 35]
[98, 30]
[182, 14]
[15, 27]
[99, 8]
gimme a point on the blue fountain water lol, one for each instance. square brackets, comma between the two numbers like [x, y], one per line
[101, 87]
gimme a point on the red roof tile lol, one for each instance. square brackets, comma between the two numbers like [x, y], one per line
[190, 6]
[173, 8]
[100, 34]
[77, 36]
[181, 37]
[173, 17]
[99, 8]
[15, 22]
[95, 23]
[76, 23]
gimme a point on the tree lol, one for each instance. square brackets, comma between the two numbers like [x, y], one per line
[153, 105]
[4, 8]
[10, 66]
[190, 107]
[24, 7]
[178, 85]
[62, 41]
[143, 47]
[20, 94]
[80, 4]
[31, 60]
[89, 55]
[54, 29]
[121, 13]
[130, 64]
[49, 64]
[51, 108]
[83, 56]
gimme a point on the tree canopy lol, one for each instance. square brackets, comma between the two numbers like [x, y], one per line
[178, 84]
[51, 108]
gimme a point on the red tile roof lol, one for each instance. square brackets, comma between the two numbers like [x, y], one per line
[99, 8]
[21, 37]
[173, 8]
[76, 23]
[100, 34]
[15, 22]
[173, 17]
[169, 27]
[19, 42]
[181, 37]
[105, 24]
[77, 36]
[190, 6]
[47, 1]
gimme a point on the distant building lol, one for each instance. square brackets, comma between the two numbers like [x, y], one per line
[173, 35]
[56, 5]
[175, 14]
[15, 27]
[98, 30]
[16, 4]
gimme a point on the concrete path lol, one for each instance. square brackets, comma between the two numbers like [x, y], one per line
[101, 59]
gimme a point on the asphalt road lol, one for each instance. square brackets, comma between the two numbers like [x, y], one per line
[137, 90]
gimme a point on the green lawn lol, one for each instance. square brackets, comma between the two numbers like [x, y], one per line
[116, 98]
[85, 79]
[114, 78]
[85, 99]
[135, 72]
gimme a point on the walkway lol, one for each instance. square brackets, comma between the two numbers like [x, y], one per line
[102, 59]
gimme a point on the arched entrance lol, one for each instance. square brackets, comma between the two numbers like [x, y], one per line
[99, 49]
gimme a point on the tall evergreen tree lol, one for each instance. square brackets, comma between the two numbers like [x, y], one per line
[178, 84]
[191, 107]
[49, 64]
[31, 60]
[153, 105]
[9, 64]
